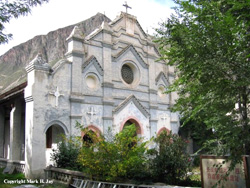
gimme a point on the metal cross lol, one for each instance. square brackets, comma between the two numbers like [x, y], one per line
[126, 5]
[56, 94]
[164, 118]
[92, 112]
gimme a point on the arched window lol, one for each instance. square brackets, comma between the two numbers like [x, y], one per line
[54, 135]
[89, 138]
[163, 129]
[133, 121]
[90, 135]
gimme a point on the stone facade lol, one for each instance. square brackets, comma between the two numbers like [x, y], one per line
[107, 79]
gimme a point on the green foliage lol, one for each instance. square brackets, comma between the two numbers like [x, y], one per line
[14, 9]
[65, 156]
[122, 157]
[169, 163]
[208, 43]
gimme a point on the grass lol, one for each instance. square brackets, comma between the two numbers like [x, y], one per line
[3, 177]
[20, 176]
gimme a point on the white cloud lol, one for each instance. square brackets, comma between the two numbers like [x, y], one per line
[61, 13]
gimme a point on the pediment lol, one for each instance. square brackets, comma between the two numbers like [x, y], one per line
[136, 102]
[92, 61]
[162, 76]
[121, 20]
[131, 49]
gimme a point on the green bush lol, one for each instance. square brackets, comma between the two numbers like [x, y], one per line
[169, 163]
[65, 156]
[117, 159]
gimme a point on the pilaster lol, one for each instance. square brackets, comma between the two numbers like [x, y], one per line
[75, 55]
[107, 77]
[15, 130]
[37, 73]
[2, 122]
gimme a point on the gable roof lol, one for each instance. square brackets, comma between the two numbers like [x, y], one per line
[93, 61]
[137, 103]
[135, 53]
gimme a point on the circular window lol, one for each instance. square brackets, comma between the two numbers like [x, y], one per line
[127, 74]
[92, 81]
[161, 91]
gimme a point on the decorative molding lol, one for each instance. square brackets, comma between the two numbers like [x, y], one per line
[91, 112]
[76, 53]
[56, 94]
[29, 99]
[137, 104]
[76, 98]
[108, 84]
[56, 122]
[153, 120]
[76, 34]
[107, 118]
[162, 76]
[131, 48]
[109, 103]
[38, 63]
[153, 106]
[93, 61]
[75, 116]
[152, 91]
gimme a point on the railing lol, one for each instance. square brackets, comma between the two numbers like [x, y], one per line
[78, 180]
[18, 166]
[62, 175]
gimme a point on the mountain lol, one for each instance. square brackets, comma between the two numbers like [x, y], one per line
[52, 46]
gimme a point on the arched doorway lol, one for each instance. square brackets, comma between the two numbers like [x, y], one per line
[54, 135]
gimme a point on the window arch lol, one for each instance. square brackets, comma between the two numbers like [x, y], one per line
[163, 129]
[133, 120]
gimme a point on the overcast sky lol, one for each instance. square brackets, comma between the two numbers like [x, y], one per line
[61, 13]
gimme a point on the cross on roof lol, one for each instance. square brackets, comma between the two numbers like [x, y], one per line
[126, 5]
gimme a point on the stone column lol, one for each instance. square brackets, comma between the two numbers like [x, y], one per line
[2, 122]
[15, 131]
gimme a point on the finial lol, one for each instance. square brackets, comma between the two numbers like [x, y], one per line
[126, 5]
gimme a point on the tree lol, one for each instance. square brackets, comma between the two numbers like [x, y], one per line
[208, 42]
[14, 9]
[169, 162]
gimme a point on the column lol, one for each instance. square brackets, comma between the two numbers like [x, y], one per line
[2, 121]
[15, 131]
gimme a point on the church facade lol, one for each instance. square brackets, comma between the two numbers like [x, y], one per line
[108, 79]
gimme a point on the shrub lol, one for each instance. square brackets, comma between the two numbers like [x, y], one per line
[65, 156]
[122, 157]
[169, 161]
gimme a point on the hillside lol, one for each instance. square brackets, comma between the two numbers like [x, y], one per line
[52, 46]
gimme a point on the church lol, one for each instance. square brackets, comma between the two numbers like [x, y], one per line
[108, 79]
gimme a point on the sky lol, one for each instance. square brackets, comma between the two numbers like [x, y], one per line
[60, 13]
